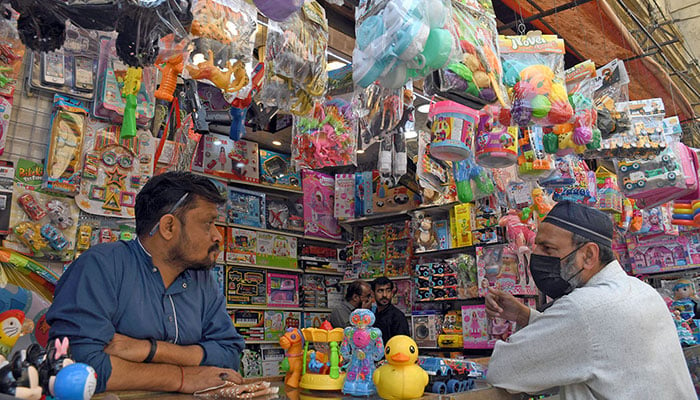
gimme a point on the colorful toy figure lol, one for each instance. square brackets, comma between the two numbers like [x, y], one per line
[401, 378]
[293, 343]
[10, 329]
[363, 346]
[683, 299]
[132, 86]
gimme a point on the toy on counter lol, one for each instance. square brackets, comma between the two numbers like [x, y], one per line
[19, 378]
[450, 375]
[322, 364]
[293, 344]
[363, 346]
[533, 67]
[401, 378]
[63, 161]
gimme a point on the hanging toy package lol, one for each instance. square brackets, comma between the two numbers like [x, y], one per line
[63, 161]
[476, 74]
[613, 117]
[223, 34]
[327, 138]
[279, 10]
[453, 127]
[378, 110]
[533, 68]
[295, 60]
[533, 162]
[392, 148]
[401, 40]
[495, 145]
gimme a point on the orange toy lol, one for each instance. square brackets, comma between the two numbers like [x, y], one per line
[209, 71]
[173, 67]
[293, 344]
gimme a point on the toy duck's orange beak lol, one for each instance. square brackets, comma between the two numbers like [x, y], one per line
[399, 357]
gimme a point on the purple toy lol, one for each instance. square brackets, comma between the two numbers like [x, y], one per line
[278, 10]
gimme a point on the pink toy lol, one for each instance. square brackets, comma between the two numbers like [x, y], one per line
[319, 202]
[520, 235]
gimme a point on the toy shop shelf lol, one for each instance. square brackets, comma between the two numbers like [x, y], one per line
[395, 216]
[261, 186]
[312, 239]
[317, 309]
[391, 278]
[321, 259]
[672, 273]
[299, 236]
[444, 252]
[262, 342]
[244, 265]
[331, 273]
[259, 307]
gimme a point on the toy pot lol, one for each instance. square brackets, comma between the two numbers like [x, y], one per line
[452, 130]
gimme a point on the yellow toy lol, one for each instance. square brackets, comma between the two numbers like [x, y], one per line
[401, 378]
[132, 85]
[321, 369]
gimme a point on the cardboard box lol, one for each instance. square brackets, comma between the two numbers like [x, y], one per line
[242, 245]
[282, 290]
[245, 286]
[276, 250]
[319, 190]
[276, 170]
[425, 329]
[230, 159]
[344, 207]
[464, 224]
[498, 267]
[245, 207]
[475, 327]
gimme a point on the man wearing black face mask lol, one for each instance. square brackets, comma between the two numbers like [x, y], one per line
[606, 335]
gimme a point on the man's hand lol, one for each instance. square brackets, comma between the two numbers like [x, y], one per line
[200, 378]
[500, 304]
[128, 348]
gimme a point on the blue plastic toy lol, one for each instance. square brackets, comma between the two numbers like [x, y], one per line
[363, 346]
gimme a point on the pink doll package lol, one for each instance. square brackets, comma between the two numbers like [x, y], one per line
[319, 202]
[475, 332]
[344, 196]
[498, 266]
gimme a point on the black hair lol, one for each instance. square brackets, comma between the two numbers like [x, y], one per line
[382, 281]
[605, 253]
[355, 288]
[163, 191]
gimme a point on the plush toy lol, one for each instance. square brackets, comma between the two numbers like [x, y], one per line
[401, 378]
[425, 236]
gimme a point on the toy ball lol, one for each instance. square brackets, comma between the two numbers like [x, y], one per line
[560, 112]
[504, 117]
[582, 135]
[75, 382]
[540, 75]
[540, 106]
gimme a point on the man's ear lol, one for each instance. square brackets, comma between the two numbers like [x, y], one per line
[591, 255]
[167, 226]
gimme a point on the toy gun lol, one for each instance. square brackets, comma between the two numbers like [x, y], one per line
[194, 104]
[132, 85]
[170, 71]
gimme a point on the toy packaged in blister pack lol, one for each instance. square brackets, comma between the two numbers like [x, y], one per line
[326, 138]
[377, 110]
[43, 225]
[63, 158]
[109, 103]
[477, 72]
[533, 67]
[114, 169]
[401, 40]
[12, 54]
[295, 61]
[319, 204]
[533, 161]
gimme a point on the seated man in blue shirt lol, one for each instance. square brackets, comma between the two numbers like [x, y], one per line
[147, 314]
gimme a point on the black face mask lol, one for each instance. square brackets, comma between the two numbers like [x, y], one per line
[546, 271]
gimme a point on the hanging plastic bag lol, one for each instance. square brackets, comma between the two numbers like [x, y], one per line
[377, 110]
[326, 138]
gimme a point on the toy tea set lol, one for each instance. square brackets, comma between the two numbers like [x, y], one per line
[401, 40]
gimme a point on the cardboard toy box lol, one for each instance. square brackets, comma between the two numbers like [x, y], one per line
[230, 159]
[276, 250]
[282, 290]
[498, 267]
[221, 257]
[426, 326]
[344, 207]
[276, 170]
[249, 323]
[315, 319]
[245, 207]
[462, 222]
[277, 322]
[319, 191]
[475, 327]
[392, 199]
[245, 286]
[241, 245]
[363, 192]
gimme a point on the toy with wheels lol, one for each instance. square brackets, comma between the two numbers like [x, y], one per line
[450, 375]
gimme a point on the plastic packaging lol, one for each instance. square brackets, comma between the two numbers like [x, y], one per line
[453, 127]
[223, 39]
[377, 110]
[533, 67]
[533, 162]
[400, 40]
[495, 145]
[477, 72]
[295, 61]
[278, 10]
[326, 138]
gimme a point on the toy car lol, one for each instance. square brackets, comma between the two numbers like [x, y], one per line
[28, 233]
[84, 237]
[31, 207]
[105, 235]
[55, 238]
[59, 214]
[625, 166]
[635, 179]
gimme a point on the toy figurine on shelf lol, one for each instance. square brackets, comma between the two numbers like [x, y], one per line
[401, 378]
[363, 346]
[684, 299]
[132, 85]
[293, 344]
[19, 378]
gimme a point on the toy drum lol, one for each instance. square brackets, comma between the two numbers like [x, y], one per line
[496, 145]
[453, 130]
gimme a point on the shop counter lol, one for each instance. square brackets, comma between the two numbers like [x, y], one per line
[483, 393]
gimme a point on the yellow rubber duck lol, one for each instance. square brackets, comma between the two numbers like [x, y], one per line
[401, 378]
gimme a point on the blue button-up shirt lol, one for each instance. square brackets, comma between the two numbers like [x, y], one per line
[115, 288]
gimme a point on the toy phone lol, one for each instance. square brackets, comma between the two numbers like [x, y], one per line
[52, 69]
[83, 76]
